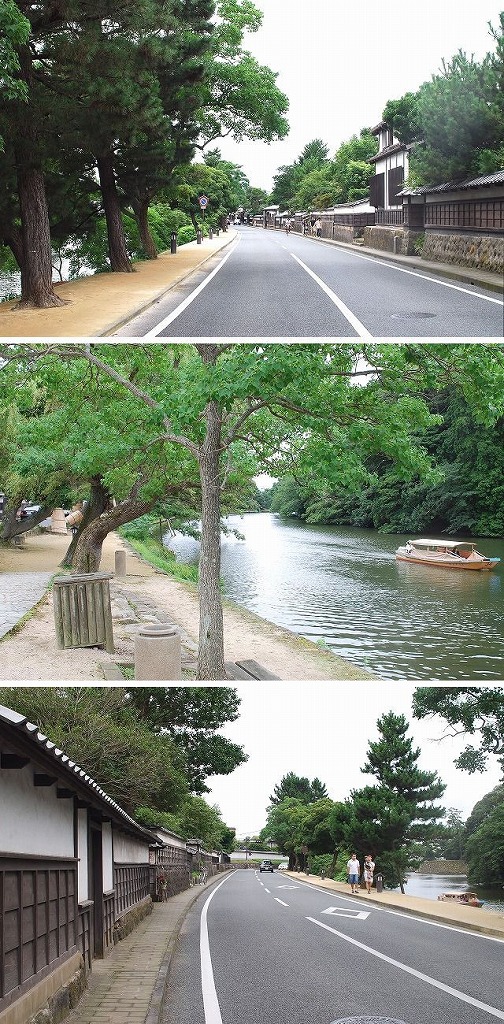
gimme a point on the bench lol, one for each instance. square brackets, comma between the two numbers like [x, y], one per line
[248, 669]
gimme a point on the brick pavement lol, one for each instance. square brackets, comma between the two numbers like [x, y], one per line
[129, 984]
[19, 593]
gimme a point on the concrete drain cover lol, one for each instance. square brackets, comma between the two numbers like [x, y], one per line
[368, 1020]
[413, 315]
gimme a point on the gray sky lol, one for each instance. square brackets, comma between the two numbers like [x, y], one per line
[339, 63]
[323, 730]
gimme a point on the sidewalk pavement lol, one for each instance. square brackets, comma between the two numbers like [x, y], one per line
[129, 985]
[102, 303]
[19, 593]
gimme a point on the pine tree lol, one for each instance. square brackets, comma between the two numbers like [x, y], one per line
[390, 817]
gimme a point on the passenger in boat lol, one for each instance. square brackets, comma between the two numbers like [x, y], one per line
[409, 549]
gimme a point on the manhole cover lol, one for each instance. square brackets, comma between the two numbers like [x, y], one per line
[368, 1020]
[412, 316]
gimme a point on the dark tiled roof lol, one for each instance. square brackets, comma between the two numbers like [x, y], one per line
[21, 724]
[484, 181]
[396, 147]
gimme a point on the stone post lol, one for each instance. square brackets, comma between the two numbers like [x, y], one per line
[120, 562]
[158, 652]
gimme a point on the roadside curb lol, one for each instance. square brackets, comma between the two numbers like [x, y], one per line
[147, 303]
[466, 275]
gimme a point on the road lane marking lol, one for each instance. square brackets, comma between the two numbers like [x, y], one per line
[210, 1001]
[492, 1010]
[359, 328]
[287, 886]
[267, 890]
[356, 915]
[190, 298]
[280, 901]
[433, 279]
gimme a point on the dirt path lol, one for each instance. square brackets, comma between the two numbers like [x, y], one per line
[30, 653]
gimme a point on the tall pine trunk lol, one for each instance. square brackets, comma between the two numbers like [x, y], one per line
[141, 211]
[36, 262]
[118, 253]
[211, 627]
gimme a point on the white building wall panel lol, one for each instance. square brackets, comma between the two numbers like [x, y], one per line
[129, 851]
[83, 854]
[33, 821]
[108, 865]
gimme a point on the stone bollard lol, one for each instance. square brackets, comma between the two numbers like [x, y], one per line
[157, 652]
[58, 523]
[120, 562]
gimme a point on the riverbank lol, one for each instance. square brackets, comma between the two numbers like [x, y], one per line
[146, 595]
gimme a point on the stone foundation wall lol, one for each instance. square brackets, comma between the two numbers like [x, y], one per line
[443, 867]
[125, 924]
[486, 252]
[391, 239]
[344, 233]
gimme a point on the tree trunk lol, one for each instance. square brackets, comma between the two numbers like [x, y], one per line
[14, 240]
[118, 253]
[100, 500]
[88, 552]
[211, 628]
[12, 527]
[141, 210]
[36, 265]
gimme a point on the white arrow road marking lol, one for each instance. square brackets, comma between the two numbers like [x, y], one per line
[347, 313]
[190, 298]
[287, 886]
[416, 974]
[210, 1001]
[356, 914]
[280, 901]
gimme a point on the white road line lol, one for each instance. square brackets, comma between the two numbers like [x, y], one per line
[492, 1010]
[280, 901]
[265, 889]
[347, 313]
[210, 1001]
[190, 298]
[433, 280]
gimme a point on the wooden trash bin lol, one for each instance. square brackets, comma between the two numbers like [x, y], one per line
[82, 612]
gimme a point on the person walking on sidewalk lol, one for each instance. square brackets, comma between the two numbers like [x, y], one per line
[353, 868]
[369, 866]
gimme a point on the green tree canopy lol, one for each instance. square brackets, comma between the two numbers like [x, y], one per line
[467, 710]
[299, 788]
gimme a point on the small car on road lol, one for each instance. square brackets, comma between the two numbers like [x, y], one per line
[266, 865]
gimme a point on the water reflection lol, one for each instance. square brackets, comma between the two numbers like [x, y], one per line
[344, 587]
[429, 887]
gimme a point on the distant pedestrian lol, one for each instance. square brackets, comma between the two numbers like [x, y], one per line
[312, 224]
[353, 868]
[369, 866]
[288, 224]
[318, 228]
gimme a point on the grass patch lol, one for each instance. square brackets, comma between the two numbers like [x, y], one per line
[153, 552]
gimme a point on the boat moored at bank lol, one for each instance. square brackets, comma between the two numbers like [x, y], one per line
[465, 899]
[448, 554]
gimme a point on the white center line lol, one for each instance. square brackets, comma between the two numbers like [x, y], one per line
[416, 974]
[359, 328]
[280, 901]
[190, 298]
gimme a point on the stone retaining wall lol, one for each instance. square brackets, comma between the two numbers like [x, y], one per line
[485, 252]
[392, 239]
[443, 867]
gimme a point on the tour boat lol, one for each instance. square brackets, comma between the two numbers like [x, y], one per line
[448, 554]
[466, 899]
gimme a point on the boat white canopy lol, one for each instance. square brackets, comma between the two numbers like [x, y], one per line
[425, 543]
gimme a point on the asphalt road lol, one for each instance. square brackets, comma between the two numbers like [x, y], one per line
[267, 949]
[271, 285]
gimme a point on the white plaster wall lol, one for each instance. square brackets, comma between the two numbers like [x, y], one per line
[83, 853]
[33, 820]
[108, 865]
[129, 851]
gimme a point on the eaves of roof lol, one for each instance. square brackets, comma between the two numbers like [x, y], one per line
[484, 181]
[71, 771]
[396, 147]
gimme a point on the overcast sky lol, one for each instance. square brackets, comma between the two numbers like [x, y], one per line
[339, 63]
[323, 730]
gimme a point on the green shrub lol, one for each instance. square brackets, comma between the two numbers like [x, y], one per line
[186, 234]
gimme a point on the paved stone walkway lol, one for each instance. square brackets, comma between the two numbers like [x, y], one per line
[19, 592]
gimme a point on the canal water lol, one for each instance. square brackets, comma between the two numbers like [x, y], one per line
[429, 887]
[343, 588]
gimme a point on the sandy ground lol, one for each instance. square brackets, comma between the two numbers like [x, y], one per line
[30, 653]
